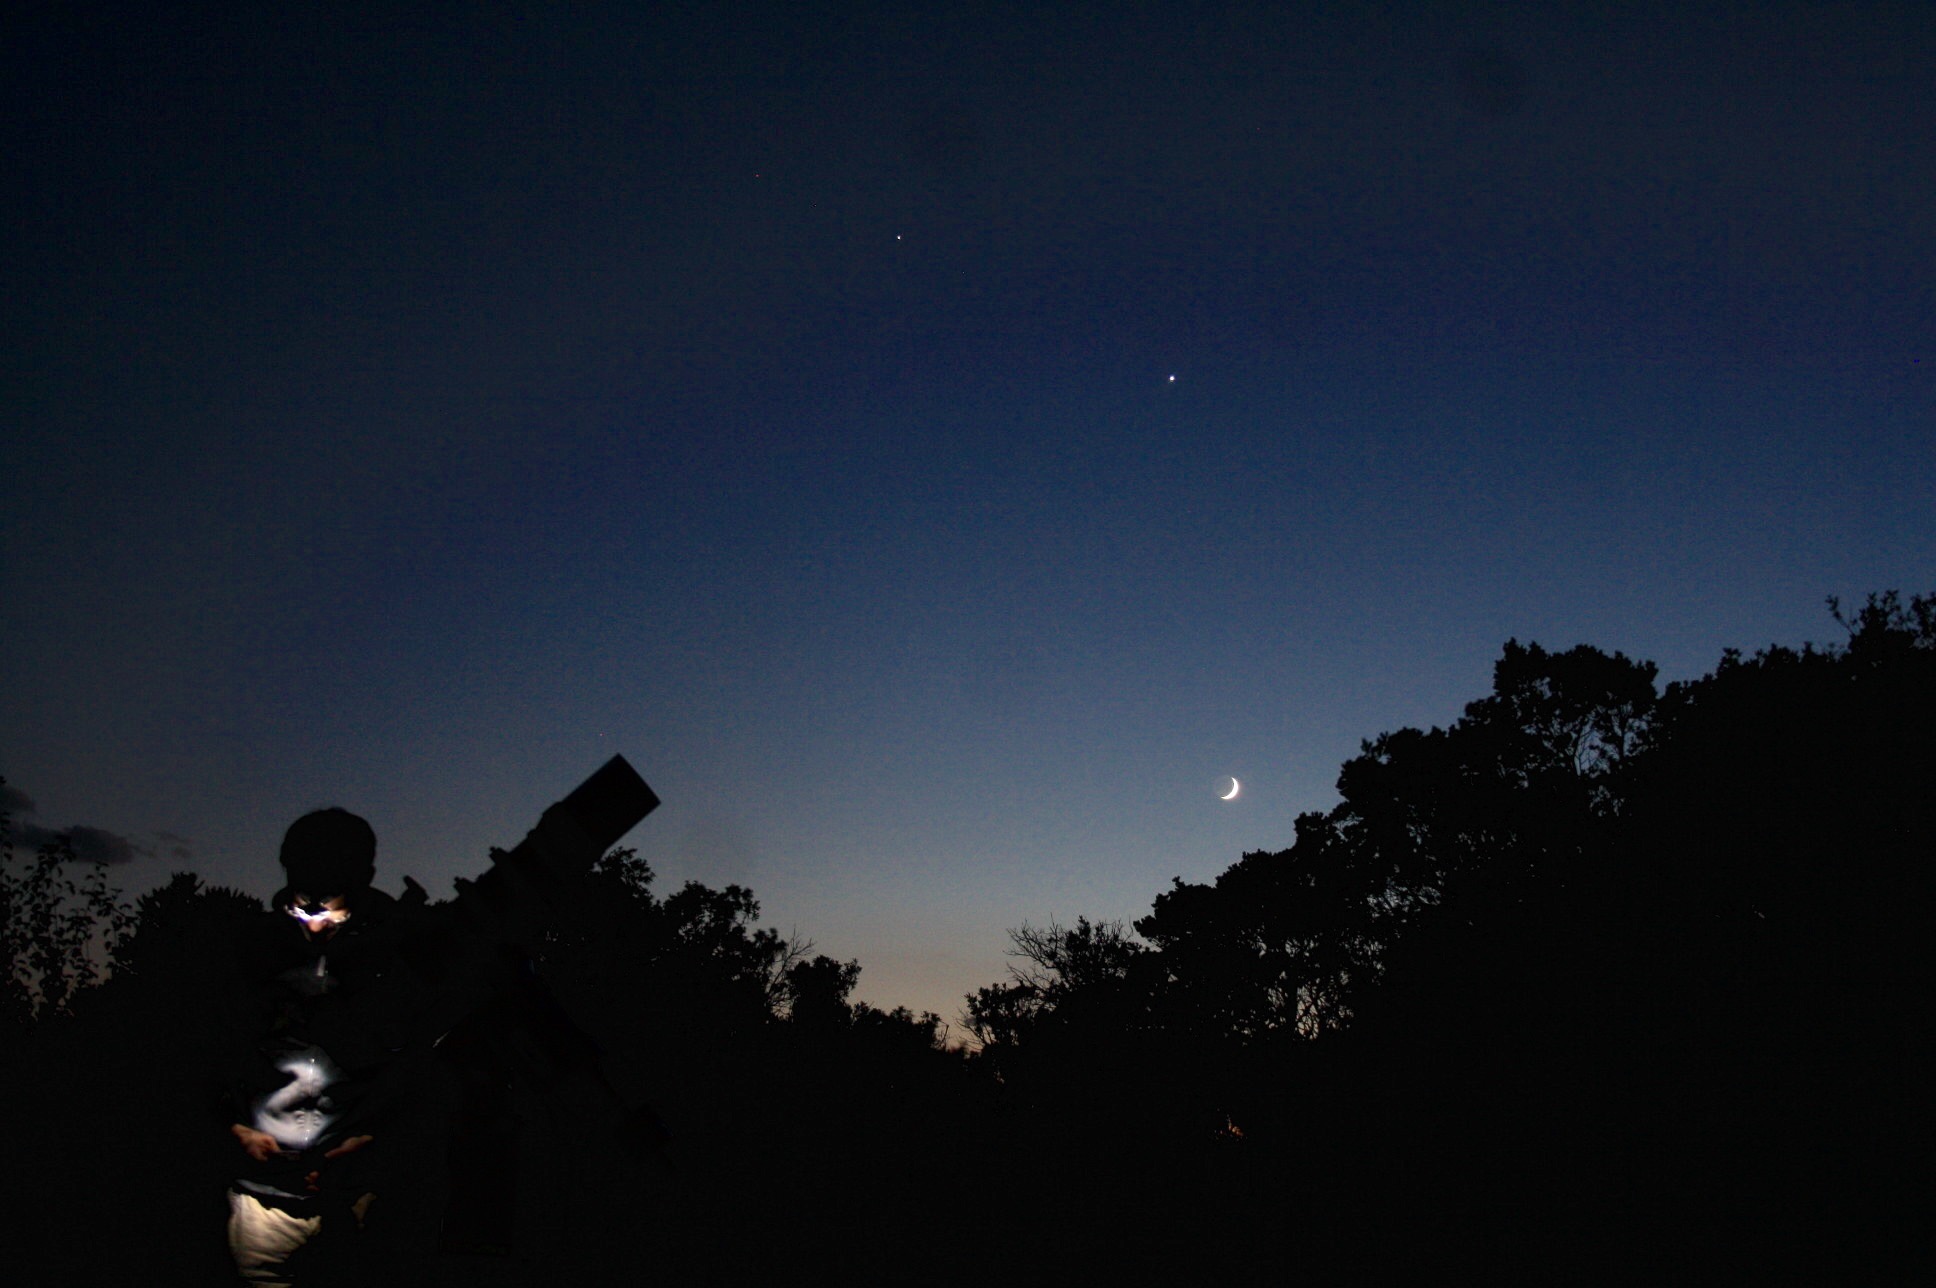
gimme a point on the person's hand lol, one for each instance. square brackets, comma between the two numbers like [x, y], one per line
[260, 1144]
[349, 1146]
[314, 1181]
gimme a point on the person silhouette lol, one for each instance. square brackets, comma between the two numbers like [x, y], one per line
[350, 993]
[330, 1041]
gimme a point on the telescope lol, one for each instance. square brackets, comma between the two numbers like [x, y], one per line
[498, 1021]
[528, 885]
[528, 890]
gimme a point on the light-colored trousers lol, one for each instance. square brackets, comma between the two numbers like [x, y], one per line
[262, 1238]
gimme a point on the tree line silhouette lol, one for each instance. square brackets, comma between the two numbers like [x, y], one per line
[1598, 975]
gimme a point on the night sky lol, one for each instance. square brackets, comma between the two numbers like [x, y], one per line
[937, 451]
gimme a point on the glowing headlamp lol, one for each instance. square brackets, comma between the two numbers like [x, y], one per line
[326, 917]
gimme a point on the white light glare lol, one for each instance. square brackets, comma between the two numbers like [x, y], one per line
[327, 917]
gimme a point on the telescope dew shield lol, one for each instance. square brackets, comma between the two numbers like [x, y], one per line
[610, 803]
[573, 834]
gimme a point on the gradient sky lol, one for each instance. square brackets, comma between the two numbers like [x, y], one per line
[936, 451]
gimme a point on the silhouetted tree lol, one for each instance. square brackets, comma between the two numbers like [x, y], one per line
[817, 993]
[134, 1074]
[1001, 1015]
[179, 929]
[1438, 832]
[1643, 970]
[693, 962]
[1061, 977]
[58, 931]
[898, 1030]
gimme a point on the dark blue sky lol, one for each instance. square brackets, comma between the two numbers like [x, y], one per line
[409, 408]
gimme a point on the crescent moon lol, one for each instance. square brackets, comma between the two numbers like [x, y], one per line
[1231, 795]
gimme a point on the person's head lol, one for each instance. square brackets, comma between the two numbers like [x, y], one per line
[328, 858]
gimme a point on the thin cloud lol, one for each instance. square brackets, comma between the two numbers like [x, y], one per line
[90, 844]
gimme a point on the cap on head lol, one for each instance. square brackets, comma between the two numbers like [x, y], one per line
[329, 852]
